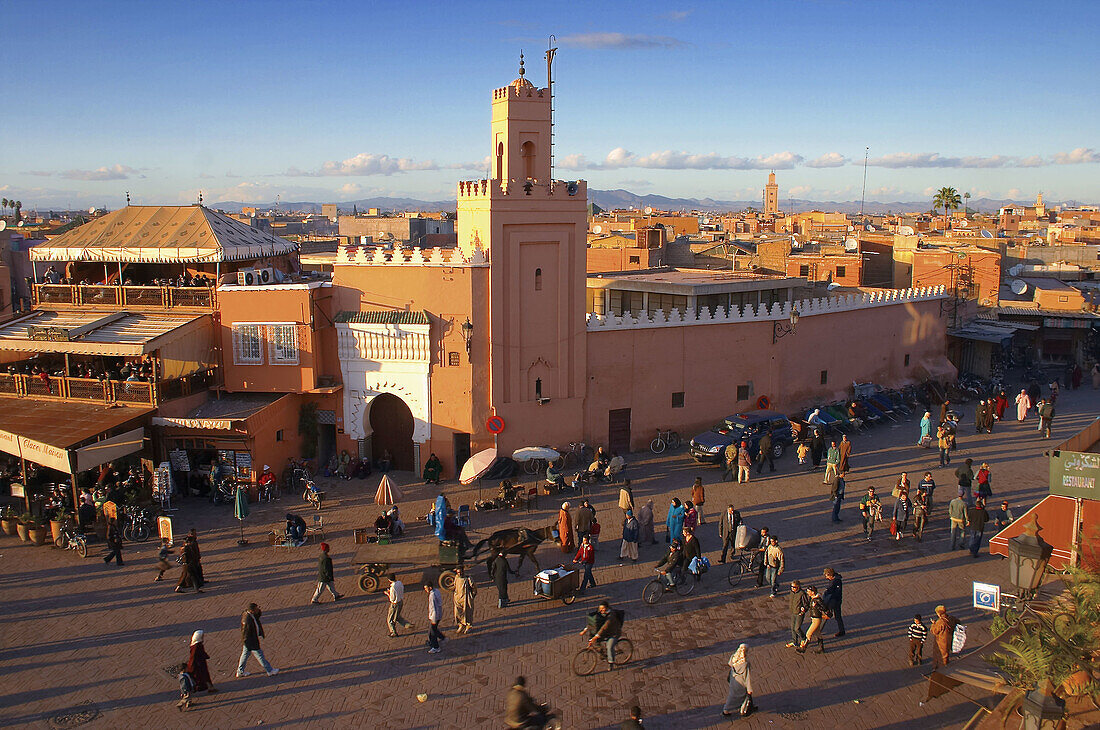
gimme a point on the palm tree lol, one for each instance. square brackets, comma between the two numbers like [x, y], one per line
[948, 199]
[966, 204]
[18, 210]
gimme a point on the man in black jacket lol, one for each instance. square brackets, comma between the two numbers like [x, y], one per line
[798, 603]
[833, 597]
[324, 576]
[764, 452]
[251, 632]
[114, 543]
[499, 569]
[520, 711]
[727, 530]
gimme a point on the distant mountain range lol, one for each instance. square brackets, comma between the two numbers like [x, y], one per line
[611, 199]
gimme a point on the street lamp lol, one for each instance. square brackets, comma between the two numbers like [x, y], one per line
[467, 334]
[1041, 709]
[1028, 557]
[781, 329]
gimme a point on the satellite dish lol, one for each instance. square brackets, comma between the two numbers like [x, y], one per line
[1015, 270]
[851, 245]
[91, 211]
[1019, 286]
[795, 243]
[597, 229]
[986, 234]
[833, 286]
[648, 210]
[906, 230]
[851, 228]
[964, 223]
[3, 224]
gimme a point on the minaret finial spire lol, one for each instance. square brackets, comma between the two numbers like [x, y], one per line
[521, 71]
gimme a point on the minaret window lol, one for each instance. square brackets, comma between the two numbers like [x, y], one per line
[500, 160]
[527, 152]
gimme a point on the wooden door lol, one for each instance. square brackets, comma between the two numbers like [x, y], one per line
[618, 430]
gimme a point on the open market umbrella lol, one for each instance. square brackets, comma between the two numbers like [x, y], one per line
[475, 468]
[528, 453]
[387, 493]
[240, 511]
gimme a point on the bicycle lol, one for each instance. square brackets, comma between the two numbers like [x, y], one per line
[655, 590]
[585, 660]
[665, 440]
[740, 566]
[73, 540]
[137, 525]
[579, 453]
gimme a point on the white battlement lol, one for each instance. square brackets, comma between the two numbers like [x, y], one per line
[376, 255]
[779, 310]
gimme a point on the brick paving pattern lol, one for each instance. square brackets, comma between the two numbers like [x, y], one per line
[84, 644]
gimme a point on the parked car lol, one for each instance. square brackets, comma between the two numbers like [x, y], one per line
[709, 446]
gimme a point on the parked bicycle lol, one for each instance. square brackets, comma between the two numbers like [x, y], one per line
[137, 524]
[578, 454]
[588, 658]
[665, 440]
[682, 581]
[73, 540]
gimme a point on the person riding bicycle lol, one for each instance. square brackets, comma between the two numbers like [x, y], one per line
[520, 711]
[672, 563]
[606, 624]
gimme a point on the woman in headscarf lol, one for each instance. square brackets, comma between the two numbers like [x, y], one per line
[645, 524]
[739, 697]
[565, 529]
[626, 497]
[698, 497]
[1000, 403]
[675, 520]
[196, 664]
[1023, 404]
[442, 507]
[925, 428]
[629, 547]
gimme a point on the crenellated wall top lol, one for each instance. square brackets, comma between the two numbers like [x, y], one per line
[762, 313]
[374, 255]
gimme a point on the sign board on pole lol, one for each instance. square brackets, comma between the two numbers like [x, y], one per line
[495, 424]
[17, 490]
[164, 527]
[110, 510]
[987, 596]
[1075, 474]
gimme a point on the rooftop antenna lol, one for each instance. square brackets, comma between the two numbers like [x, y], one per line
[127, 198]
[551, 51]
[863, 196]
[200, 197]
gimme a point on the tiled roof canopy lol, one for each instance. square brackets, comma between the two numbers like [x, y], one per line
[384, 316]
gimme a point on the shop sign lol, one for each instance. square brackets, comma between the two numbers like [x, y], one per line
[1075, 474]
[46, 455]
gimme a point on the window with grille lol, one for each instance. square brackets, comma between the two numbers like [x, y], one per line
[841, 272]
[284, 343]
[452, 359]
[678, 400]
[247, 344]
[742, 392]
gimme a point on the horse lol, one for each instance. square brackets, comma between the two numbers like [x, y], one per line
[522, 541]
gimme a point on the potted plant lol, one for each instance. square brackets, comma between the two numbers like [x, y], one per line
[25, 519]
[60, 519]
[8, 519]
[38, 531]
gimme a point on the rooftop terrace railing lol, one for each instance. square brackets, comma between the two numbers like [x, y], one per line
[100, 295]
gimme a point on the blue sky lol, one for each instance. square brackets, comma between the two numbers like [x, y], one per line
[338, 101]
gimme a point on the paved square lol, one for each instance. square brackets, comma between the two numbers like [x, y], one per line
[80, 640]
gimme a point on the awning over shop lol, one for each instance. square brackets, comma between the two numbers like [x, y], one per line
[116, 334]
[935, 369]
[984, 332]
[1056, 516]
[162, 234]
[222, 414]
[66, 435]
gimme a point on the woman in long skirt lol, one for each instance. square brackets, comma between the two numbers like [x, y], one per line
[645, 524]
[739, 697]
[629, 548]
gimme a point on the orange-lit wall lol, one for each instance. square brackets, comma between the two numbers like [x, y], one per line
[826, 268]
[930, 269]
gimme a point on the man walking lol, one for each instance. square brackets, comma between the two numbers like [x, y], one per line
[1046, 417]
[758, 562]
[629, 548]
[324, 577]
[396, 594]
[764, 453]
[114, 543]
[833, 598]
[870, 508]
[943, 631]
[837, 495]
[798, 604]
[464, 593]
[832, 463]
[744, 463]
[730, 455]
[499, 569]
[435, 615]
[965, 475]
[927, 487]
[586, 557]
[920, 515]
[773, 559]
[727, 530]
[956, 513]
[586, 514]
[976, 520]
[251, 633]
[845, 455]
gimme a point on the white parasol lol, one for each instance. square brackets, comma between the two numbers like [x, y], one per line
[477, 465]
[387, 493]
[528, 453]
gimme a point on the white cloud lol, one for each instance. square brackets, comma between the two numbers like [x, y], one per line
[114, 172]
[366, 163]
[620, 158]
[799, 190]
[619, 41]
[1079, 156]
[829, 159]
[675, 15]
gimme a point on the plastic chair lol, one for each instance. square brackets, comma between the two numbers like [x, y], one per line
[532, 498]
[317, 528]
[464, 516]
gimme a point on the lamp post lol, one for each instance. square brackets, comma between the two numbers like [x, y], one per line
[1028, 555]
[467, 334]
[1041, 709]
[781, 329]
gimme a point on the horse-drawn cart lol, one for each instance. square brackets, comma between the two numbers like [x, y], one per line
[376, 559]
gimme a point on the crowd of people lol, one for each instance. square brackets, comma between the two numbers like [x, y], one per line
[185, 279]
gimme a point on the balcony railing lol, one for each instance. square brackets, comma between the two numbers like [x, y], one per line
[186, 385]
[126, 392]
[161, 297]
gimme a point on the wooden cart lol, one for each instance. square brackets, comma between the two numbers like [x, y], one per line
[376, 559]
[558, 584]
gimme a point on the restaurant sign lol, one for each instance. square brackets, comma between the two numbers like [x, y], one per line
[1075, 474]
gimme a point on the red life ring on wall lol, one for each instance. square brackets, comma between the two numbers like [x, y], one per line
[762, 403]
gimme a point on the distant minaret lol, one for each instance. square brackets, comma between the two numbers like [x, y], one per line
[771, 196]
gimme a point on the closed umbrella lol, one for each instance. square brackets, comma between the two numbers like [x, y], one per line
[387, 493]
[240, 511]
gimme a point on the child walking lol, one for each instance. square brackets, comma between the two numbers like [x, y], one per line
[162, 559]
[803, 452]
[918, 632]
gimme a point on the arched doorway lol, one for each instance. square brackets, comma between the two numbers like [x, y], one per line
[392, 424]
